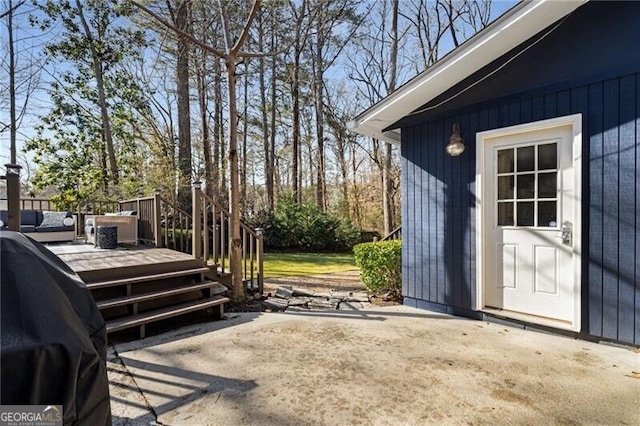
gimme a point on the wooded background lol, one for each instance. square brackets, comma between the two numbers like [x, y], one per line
[114, 99]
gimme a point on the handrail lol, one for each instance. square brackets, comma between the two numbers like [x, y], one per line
[396, 234]
[136, 200]
[215, 241]
[204, 233]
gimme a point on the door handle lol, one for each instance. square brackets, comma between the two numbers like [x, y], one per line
[567, 233]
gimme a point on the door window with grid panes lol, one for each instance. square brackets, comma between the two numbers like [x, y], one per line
[527, 185]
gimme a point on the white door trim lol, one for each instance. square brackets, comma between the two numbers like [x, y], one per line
[575, 121]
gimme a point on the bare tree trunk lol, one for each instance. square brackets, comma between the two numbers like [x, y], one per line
[310, 165]
[245, 127]
[184, 114]
[318, 92]
[266, 128]
[268, 171]
[344, 171]
[387, 201]
[451, 20]
[271, 167]
[295, 137]
[204, 124]
[12, 87]
[103, 163]
[217, 129]
[102, 101]
[230, 55]
[300, 171]
[298, 46]
[235, 261]
[357, 213]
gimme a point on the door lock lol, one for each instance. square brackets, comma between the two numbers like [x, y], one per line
[567, 233]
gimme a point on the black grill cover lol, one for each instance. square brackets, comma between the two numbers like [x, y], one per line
[53, 337]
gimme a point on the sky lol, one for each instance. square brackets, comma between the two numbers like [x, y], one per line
[30, 42]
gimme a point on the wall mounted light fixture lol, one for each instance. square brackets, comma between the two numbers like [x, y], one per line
[455, 146]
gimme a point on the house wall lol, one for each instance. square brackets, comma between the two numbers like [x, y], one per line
[439, 226]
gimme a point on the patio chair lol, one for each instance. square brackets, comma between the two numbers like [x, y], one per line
[127, 223]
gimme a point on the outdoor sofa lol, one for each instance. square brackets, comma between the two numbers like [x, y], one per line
[44, 226]
[126, 221]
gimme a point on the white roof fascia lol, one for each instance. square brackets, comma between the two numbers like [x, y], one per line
[517, 25]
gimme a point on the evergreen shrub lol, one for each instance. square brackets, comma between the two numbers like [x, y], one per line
[380, 265]
[304, 227]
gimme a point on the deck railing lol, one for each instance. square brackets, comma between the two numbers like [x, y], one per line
[85, 207]
[207, 237]
[396, 234]
[212, 224]
[90, 207]
[148, 209]
[79, 208]
[162, 224]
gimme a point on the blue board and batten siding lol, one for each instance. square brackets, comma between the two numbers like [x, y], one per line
[439, 218]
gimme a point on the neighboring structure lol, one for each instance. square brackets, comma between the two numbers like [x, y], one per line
[538, 220]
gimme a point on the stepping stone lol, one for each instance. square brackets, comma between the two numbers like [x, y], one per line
[347, 306]
[299, 292]
[322, 304]
[299, 301]
[358, 297]
[276, 304]
[325, 296]
[284, 292]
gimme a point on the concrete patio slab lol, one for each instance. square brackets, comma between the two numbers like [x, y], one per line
[392, 365]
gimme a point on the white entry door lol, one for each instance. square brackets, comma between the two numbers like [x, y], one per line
[530, 215]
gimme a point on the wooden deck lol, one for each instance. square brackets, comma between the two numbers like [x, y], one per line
[93, 264]
[138, 285]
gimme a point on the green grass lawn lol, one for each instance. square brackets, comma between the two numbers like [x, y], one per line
[301, 264]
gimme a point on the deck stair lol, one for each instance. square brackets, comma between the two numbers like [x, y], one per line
[143, 278]
[136, 296]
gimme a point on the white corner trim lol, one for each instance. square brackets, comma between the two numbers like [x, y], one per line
[575, 121]
[480, 160]
[577, 223]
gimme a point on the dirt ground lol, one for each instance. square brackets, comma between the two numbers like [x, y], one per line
[342, 281]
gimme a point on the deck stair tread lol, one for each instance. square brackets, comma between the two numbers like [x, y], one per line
[144, 278]
[216, 287]
[163, 313]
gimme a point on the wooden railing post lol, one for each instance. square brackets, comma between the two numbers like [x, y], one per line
[79, 220]
[259, 253]
[215, 239]
[205, 230]
[157, 225]
[13, 196]
[196, 214]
